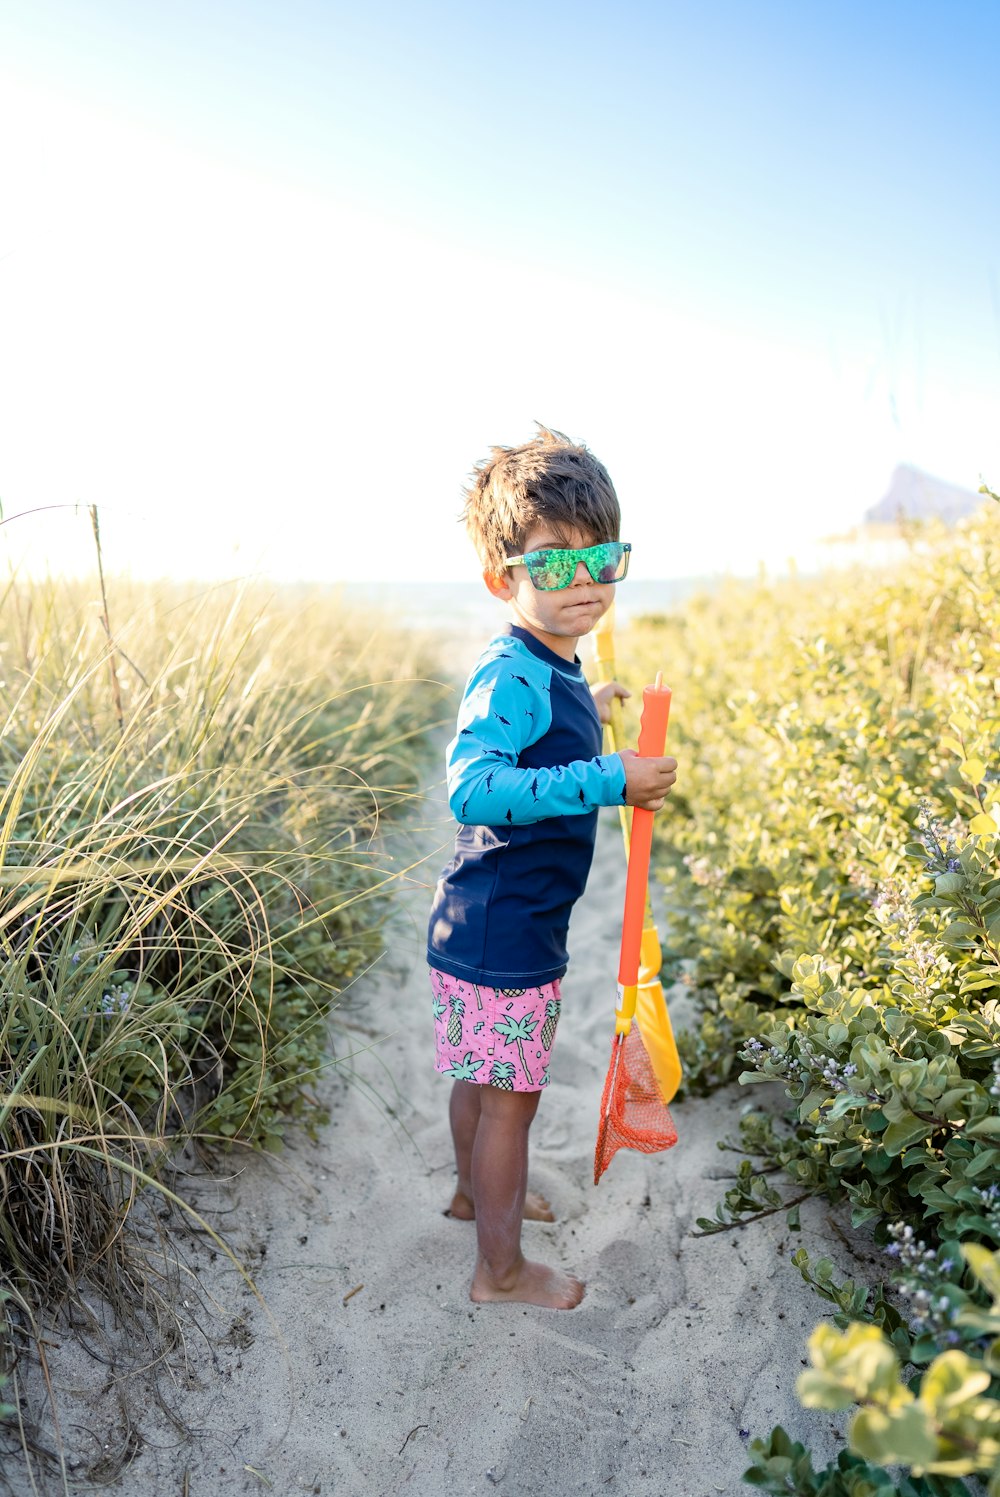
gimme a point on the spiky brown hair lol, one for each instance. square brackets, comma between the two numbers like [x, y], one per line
[549, 480]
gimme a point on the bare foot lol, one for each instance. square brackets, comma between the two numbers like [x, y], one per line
[536, 1208]
[529, 1284]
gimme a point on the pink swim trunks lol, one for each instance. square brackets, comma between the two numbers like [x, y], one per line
[494, 1036]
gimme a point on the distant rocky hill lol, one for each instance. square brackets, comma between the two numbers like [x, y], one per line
[920, 496]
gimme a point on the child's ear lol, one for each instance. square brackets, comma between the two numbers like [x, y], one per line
[498, 583]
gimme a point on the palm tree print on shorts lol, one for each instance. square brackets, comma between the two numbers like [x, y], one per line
[464, 1069]
[515, 1032]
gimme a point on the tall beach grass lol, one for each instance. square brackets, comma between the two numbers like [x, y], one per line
[192, 786]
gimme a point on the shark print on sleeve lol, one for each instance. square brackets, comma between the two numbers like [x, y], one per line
[491, 727]
[525, 781]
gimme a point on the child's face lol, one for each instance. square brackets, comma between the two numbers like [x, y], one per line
[557, 618]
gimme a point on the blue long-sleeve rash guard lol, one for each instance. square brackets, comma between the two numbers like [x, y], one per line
[525, 780]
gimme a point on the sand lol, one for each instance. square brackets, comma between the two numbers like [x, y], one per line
[368, 1371]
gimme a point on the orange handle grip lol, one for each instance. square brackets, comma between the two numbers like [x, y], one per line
[652, 741]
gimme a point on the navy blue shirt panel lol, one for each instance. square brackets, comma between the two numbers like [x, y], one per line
[502, 906]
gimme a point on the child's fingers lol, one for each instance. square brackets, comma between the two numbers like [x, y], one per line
[648, 781]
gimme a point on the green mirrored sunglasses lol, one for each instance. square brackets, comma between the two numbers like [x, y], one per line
[552, 569]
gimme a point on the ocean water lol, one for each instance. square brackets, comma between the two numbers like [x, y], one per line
[465, 609]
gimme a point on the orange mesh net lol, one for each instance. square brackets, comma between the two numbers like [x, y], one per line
[633, 1114]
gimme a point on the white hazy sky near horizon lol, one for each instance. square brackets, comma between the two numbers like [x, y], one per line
[271, 279]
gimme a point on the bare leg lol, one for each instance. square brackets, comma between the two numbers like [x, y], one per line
[499, 1183]
[463, 1113]
[464, 1110]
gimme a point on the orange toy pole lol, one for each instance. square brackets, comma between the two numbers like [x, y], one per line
[633, 1112]
[651, 1012]
[652, 741]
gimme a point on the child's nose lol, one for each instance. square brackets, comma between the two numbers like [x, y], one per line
[581, 574]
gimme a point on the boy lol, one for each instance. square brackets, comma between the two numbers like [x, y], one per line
[525, 779]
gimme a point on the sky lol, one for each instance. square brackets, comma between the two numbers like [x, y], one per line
[273, 277]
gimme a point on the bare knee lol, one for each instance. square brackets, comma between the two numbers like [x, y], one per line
[509, 1109]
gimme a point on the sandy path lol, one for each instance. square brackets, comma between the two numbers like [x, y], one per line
[404, 1386]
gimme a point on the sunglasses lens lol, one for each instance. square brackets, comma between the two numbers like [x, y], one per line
[607, 563]
[550, 570]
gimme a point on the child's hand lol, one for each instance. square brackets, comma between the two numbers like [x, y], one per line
[648, 781]
[604, 695]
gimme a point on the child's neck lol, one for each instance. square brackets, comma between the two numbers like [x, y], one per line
[560, 644]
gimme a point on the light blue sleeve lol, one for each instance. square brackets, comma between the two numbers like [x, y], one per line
[504, 710]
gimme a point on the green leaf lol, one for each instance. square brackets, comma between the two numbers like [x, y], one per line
[952, 1379]
[904, 1133]
[984, 1159]
[821, 1390]
[902, 1437]
[960, 933]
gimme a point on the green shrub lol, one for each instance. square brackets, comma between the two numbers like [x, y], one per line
[810, 722]
[834, 872]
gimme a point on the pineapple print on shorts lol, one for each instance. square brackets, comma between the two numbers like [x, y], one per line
[501, 1075]
[548, 1033]
[454, 1030]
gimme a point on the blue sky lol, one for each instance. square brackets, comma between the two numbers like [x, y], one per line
[273, 277]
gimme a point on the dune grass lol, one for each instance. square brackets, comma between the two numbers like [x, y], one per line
[192, 790]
